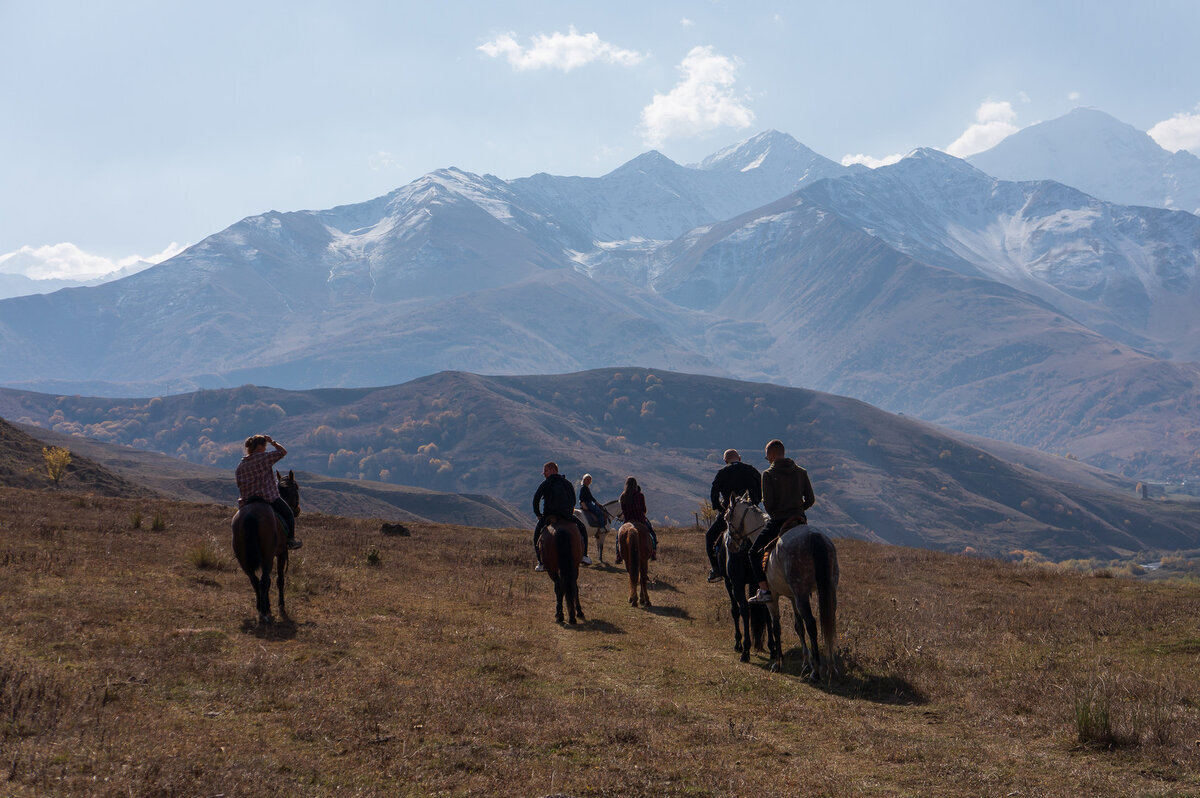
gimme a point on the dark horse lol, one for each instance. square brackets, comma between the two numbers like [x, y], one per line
[733, 561]
[803, 560]
[260, 537]
[561, 550]
[633, 544]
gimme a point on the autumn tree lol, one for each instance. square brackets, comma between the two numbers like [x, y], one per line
[57, 459]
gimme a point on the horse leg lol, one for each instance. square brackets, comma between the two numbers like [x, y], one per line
[643, 579]
[774, 637]
[281, 569]
[558, 597]
[804, 621]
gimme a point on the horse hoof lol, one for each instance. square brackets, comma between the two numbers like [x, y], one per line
[558, 617]
[745, 656]
[776, 667]
[738, 647]
[572, 621]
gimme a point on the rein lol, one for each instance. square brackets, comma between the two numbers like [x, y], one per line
[736, 522]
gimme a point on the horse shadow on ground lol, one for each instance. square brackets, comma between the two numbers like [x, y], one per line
[669, 612]
[853, 683]
[594, 625]
[661, 584]
[281, 629]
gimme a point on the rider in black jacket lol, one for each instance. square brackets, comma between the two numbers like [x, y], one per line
[735, 479]
[556, 496]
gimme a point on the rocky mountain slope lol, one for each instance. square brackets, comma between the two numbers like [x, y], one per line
[1028, 312]
[878, 476]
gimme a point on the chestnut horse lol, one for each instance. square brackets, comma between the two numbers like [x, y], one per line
[259, 536]
[561, 550]
[633, 544]
[611, 509]
[801, 561]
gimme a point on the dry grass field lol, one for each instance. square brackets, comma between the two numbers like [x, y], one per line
[131, 664]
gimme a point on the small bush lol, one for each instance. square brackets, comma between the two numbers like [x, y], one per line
[158, 524]
[373, 556]
[205, 558]
[135, 521]
[1093, 721]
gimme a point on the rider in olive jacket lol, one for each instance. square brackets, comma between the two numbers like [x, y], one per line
[787, 493]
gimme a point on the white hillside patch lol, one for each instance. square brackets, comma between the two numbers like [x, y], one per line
[757, 162]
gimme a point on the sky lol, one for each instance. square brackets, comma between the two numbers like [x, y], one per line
[129, 130]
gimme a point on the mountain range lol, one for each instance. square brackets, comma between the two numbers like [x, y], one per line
[877, 476]
[1024, 311]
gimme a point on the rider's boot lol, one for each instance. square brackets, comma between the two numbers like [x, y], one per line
[713, 576]
[763, 596]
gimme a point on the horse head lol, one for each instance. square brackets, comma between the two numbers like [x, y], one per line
[289, 490]
[743, 519]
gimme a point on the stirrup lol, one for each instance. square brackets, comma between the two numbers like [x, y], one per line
[761, 597]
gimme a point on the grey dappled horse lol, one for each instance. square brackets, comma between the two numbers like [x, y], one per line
[803, 560]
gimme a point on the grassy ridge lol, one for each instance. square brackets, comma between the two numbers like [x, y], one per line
[130, 664]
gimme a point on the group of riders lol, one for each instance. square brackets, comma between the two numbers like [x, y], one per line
[783, 488]
[555, 499]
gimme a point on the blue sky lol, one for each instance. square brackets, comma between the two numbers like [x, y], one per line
[128, 127]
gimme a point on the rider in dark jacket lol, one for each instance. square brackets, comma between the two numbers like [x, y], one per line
[787, 493]
[735, 479]
[556, 496]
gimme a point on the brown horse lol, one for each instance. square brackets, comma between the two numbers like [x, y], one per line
[633, 544]
[260, 537]
[803, 560]
[561, 550]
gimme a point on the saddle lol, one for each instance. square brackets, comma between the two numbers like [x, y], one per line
[792, 521]
[260, 500]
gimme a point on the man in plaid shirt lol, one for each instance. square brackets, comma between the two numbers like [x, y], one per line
[256, 481]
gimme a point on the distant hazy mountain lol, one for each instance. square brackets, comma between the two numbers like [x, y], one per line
[1099, 155]
[876, 475]
[16, 284]
[1028, 312]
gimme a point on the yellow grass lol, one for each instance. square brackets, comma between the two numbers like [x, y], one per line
[126, 668]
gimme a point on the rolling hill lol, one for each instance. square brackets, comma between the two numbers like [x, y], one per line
[878, 476]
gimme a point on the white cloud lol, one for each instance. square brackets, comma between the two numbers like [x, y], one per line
[687, 23]
[867, 160]
[993, 123]
[69, 262]
[383, 160]
[1180, 132]
[1074, 96]
[702, 101]
[564, 51]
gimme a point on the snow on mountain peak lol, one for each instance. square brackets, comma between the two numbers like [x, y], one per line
[1100, 155]
[753, 152]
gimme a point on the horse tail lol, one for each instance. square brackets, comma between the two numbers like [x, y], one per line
[250, 543]
[568, 569]
[824, 567]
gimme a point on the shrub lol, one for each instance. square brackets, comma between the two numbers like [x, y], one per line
[158, 524]
[373, 556]
[57, 459]
[135, 521]
[1093, 721]
[205, 558]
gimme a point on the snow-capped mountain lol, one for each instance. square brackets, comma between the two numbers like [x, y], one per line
[1101, 156]
[1129, 273]
[1023, 311]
